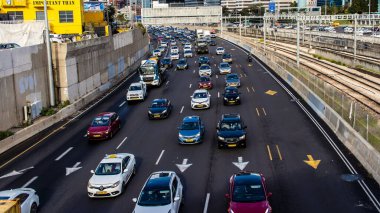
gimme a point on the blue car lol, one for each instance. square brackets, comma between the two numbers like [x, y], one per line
[160, 108]
[191, 130]
[232, 80]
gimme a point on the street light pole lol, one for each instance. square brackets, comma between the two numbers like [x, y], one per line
[50, 65]
[298, 40]
[240, 28]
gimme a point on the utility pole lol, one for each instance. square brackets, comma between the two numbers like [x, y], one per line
[221, 21]
[50, 65]
[355, 28]
[240, 28]
[298, 39]
[265, 33]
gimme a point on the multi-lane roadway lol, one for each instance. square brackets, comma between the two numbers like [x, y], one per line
[303, 171]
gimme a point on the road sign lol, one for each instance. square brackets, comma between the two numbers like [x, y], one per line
[272, 6]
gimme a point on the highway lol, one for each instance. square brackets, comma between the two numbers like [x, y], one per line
[281, 137]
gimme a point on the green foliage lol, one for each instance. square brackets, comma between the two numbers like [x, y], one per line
[225, 11]
[294, 4]
[109, 13]
[141, 27]
[5, 134]
[63, 104]
[47, 111]
[120, 19]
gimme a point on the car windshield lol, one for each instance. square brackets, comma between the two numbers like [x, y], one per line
[174, 54]
[231, 91]
[155, 196]
[204, 79]
[230, 77]
[157, 51]
[182, 61]
[189, 125]
[166, 61]
[230, 126]
[248, 192]
[158, 104]
[108, 169]
[101, 121]
[226, 56]
[147, 70]
[220, 49]
[200, 95]
[187, 51]
[224, 65]
[205, 67]
[203, 59]
[134, 88]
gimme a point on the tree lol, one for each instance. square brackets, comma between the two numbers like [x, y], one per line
[109, 14]
[294, 4]
[225, 11]
[245, 12]
[359, 6]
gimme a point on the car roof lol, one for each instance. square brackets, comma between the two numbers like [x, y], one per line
[159, 100]
[200, 91]
[105, 114]
[136, 84]
[230, 88]
[224, 63]
[243, 178]
[161, 178]
[115, 158]
[231, 117]
[232, 74]
[193, 118]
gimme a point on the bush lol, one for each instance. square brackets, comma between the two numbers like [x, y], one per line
[5, 134]
[63, 104]
[46, 111]
[141, 27]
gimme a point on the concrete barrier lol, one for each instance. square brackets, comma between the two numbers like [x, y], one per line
[367, 155]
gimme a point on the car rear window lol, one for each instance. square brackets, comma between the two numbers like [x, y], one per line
[101, 121]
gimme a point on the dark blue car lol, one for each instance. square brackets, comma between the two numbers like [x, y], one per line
[191, 130]
[160, 108]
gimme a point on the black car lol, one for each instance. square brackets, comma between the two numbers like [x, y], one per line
[204, 60]
[167, 63]
[182, 64]
[212, 43]
[231, 96]
[160, 108]
[231, 131]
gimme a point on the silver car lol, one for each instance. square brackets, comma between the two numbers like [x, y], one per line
[205, 70]
[224, 68]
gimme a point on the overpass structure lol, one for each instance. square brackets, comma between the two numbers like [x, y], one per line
[181, 15]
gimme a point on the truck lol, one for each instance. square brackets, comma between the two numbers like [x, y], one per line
[10, 206]
[199, 33]
[151, 73]
[201, 46]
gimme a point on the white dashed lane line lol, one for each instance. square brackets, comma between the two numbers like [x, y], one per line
[64, 153]
[121, 143]
[190, 85]
[122, 104]
[159, 157]
[182, 109]
[29, 182]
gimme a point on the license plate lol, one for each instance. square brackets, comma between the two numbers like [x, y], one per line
[97, 136]
[189, 140]
[231, 145]
[101, 192]
[156, 116]
[231, 101]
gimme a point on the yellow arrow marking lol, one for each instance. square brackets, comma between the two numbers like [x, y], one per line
[311, 162]
[270, 92]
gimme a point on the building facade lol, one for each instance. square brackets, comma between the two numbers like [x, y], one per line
[331, 2]
[240, 4]
[65, 16]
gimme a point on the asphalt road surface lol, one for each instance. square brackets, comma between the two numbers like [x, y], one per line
[280, 138]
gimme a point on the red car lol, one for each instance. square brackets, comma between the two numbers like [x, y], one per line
[248, 194]
[205, 83]
[104, 126]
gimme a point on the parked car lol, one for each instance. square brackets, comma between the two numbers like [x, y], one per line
[104, 126]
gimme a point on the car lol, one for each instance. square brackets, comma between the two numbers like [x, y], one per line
[111, 175]
[174, 49]
[161, 193]
[212, 43]
[232, 80]
[203, 60]
[182, 64]
[162, 49]
[231, 95]
[188, 45]
[231, 131]
[27, 197]
[136, 92]
[156, 52]
[224, 68]
[205, 70]
[104, 126]
[213, 35]
[8, 45]
[205, 82]
[227, 58]
[200, 99]
[220, 51]
[164, 43]
[247, 192]
[173, 43]
[160, 108]
[191, 130]
[167, 62]
[174, 56]
[188, 53]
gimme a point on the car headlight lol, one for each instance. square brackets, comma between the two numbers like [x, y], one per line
[242, 137]
[89, 185]
[165, 111]
[221, 138]
[198, 134]
[116, 184]
[267, 211]
[225, 98]
[180, 135]
[237, 98]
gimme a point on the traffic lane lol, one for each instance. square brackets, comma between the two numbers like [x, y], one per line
[58, 142]
[312, 144]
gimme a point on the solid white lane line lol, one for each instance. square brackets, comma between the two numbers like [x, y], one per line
[159, 157]
[121, 143]
[218, 94]
[122, 103]
[206, 203]
[29, 182]
[190, 85]
[182, 109]
[167, 82]
[248, 89]
[64, 153]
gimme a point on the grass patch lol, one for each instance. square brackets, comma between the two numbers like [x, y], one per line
[63, 104]
[360, 67]
[5, 134]
[330, 60]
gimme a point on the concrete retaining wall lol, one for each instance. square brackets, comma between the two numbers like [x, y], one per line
[362, 150]
[23, 79]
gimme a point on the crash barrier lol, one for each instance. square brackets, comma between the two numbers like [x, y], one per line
[358, 130]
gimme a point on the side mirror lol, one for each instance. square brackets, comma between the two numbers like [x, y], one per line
[176, 198]
[125, 170]
[92, 172]
[245, 127]
[227, 196]
[134, 200]
[269, 194]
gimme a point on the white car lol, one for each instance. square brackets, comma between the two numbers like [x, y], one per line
[164, 43]
[162, 193]
[213, 35]
[137, 92]
[174, 56]
[188, 45]
[188, 54]
[200, 99]
[186, 48]
[29, 200]
[220, 51]
[157, 52]
[174, 49]
[112, 175]
[205, 70]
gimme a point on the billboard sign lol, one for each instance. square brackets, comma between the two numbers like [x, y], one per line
[94, 6]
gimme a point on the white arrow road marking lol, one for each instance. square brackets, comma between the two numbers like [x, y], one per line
[240, 164]
[122, 104]
[121, 143]
[72, 169]
[63, 154]
[29, 182]
[182, 167]
[14, 172]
